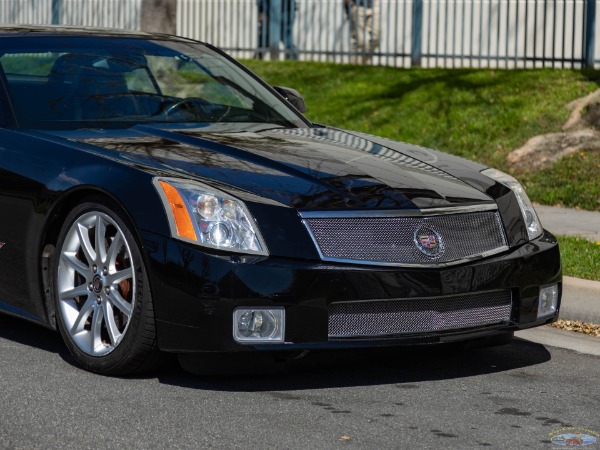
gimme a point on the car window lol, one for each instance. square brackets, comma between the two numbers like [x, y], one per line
[195, 80]
[37, 64]
[140, 80]
[121, 82]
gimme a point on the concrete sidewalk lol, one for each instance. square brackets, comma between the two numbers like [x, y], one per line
[570, 222]
[580, 300]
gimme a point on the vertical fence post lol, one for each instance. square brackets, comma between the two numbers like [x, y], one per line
[590, 33]
[416, 33]
[56, 11]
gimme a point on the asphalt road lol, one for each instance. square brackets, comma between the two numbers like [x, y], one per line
[514, 396]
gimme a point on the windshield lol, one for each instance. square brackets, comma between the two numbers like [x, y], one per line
[82, 82]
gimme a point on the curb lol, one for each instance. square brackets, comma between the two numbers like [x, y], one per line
[580, 300]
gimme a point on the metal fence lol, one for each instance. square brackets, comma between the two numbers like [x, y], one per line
[428, 33]
[94, 13]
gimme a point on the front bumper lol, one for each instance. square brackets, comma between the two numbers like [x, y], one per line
[195, 294]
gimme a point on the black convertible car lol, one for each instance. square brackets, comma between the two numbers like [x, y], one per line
[157, 197]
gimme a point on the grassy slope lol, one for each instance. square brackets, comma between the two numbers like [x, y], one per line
[479, 114]
[573, 181]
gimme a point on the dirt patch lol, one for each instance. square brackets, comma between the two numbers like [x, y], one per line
[581, 132]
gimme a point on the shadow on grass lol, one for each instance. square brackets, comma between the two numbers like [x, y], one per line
[452, 79]
[410, 81]
[592, 75]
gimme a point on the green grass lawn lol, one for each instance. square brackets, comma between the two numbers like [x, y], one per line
[579, 257]
[478, 114]
[573, 181]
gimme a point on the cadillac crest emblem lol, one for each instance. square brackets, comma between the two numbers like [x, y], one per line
[428, 241]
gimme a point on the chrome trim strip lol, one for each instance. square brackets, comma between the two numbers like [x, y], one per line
[425, 297]
[459, 209]
[425, 212]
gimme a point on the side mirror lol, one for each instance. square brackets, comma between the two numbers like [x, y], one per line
[292, 96]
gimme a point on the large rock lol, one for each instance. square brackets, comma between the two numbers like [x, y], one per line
[581, 132]
[540, 152]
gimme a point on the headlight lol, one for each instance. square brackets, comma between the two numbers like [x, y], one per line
[203, 215]
[534, 227]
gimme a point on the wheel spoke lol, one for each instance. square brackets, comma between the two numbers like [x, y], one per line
[111, 326]
[100, 235]
[96, 331]
[84, 313]
[84, 242]
[115, 278]
[71, 260]
[77, 291]
[123, 305]
[113, 250]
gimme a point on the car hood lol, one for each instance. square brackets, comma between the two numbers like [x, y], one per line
[304, 168]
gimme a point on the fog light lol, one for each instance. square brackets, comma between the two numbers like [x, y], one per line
[548, 300]
[259, 324]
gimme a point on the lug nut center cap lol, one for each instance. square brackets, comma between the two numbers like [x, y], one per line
[97, 284]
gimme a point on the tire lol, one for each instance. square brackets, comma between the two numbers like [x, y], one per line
[102, 296]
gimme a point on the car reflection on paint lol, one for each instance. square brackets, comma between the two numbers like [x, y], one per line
[160, 198]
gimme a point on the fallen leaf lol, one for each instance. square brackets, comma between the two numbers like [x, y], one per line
[591, 329]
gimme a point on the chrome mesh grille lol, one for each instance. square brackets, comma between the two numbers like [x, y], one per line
[375, 318]
[392, 240]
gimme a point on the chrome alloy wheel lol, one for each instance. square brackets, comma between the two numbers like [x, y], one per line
[96, 283]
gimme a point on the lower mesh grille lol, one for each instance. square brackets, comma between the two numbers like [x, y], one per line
[375, 318]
